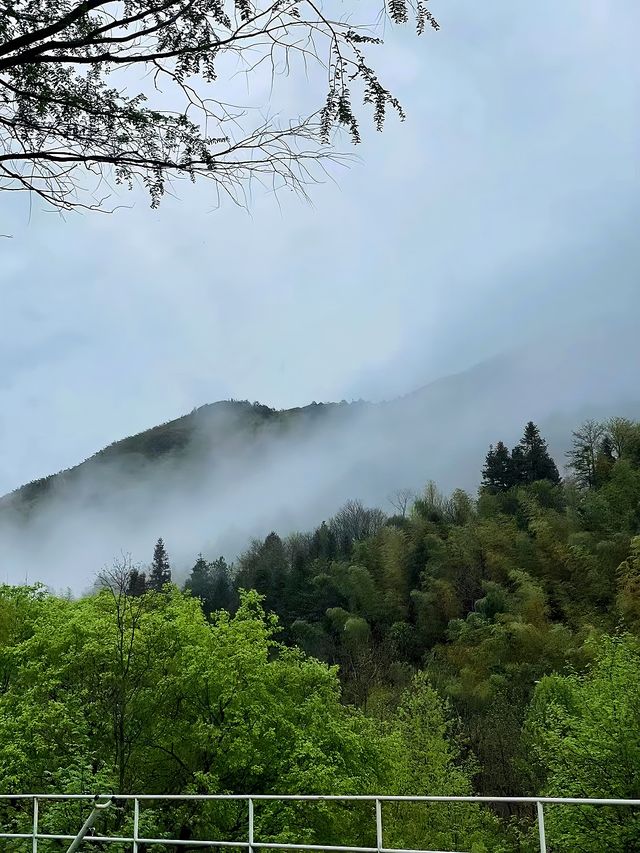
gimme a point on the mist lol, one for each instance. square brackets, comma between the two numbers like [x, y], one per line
[480, 259]
[233, 482]
[502, 211]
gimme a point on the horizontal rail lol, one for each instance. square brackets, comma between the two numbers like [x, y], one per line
[250, 845]
[123, 839]
[367, 798]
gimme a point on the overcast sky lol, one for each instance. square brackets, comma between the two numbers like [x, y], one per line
[504, 209]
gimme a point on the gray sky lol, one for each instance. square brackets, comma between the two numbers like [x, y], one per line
[504, 208]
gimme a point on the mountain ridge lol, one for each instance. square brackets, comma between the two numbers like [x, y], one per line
[212, 479]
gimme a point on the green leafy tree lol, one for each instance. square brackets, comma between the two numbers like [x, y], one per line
[583, 453]
[119, 693]
[489, 667]
[621, 434]
[430, 761]
[605, 460]
[628, 598]
[584, 733]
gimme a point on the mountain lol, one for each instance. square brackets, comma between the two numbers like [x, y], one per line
[212, 479]
[217, 430]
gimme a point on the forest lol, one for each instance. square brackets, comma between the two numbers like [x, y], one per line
[464, 644]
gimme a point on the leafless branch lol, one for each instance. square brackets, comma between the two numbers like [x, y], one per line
[60, 121]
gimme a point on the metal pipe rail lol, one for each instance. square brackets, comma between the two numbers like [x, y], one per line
[251, 844]
[87, 825]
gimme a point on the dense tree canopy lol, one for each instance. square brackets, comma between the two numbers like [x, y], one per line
[583, 730]
[485, 645]
[94, 91]
[129, 693]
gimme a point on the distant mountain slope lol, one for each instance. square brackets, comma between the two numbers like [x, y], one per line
[222, 427]
[228, 471]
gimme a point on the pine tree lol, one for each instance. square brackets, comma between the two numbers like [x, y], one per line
[537, 464]
[137, 583]
[323, 543]
[222, 593]
[160, 573]
[519, 466]
[212, 584]
[199, 581]
[264, 568]
[497, 474]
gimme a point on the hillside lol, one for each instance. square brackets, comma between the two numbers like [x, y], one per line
[458, 647]
[212, 427]
[212, 479]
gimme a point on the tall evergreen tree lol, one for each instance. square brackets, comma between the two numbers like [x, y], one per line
[497, 474]
[199, 581]
[264, 568]
[519, 466]
[222, 592]
[537, 464]
[137, 583]
[323, 543]
[160, 573]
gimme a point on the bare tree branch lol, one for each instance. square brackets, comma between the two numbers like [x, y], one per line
[61, 121]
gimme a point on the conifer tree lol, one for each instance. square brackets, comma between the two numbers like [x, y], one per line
[137, 583]
[323, 543]
[537, 464]
[519, 466]
[497, 474]
[199, 581]
[160, 573]
[222, 592]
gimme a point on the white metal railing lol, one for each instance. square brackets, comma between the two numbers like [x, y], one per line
[101, 803]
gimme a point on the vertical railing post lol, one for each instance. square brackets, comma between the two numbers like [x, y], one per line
[541, 832]
[136, 823]
[378, 825]
[35, 825]
[250, 825]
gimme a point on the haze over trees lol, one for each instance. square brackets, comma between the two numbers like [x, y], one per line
[95, 93]
[486, 645]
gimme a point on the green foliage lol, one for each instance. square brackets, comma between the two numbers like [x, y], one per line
[497, 474]
[462, 646]
[429, 756]
[628, 598]
[128, 693]
[584, 733]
